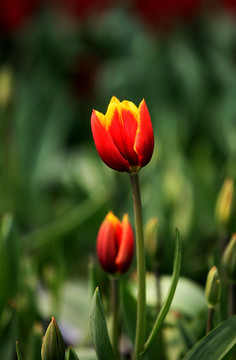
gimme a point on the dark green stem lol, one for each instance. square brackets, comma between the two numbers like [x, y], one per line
[232, 299]
[115, 303]
[209, 319]
[141, 268]
[158, 284]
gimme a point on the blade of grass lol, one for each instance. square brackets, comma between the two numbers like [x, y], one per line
[218, 344]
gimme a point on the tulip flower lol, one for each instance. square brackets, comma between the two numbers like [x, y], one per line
[115, 244]
[124, 135]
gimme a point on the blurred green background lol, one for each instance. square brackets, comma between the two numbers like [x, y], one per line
[58, 61]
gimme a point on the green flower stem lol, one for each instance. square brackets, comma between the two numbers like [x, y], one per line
[209, 319]
[115, 297]
[141, 268]
[232, 299]
[158, 285]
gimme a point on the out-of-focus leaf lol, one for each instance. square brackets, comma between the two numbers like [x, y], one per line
[86, 353]
[9, 260]
[34, 344]
[69, 221]
[74, 304]
[217, 344]
[99, 331]
[189, 297]
[8, 334]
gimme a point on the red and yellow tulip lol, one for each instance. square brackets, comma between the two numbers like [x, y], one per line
[115, 244]
[124, 135]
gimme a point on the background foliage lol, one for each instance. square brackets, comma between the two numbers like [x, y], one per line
[58, 61]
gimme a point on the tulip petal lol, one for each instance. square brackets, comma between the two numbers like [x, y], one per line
[126, 249]
[123, 132]
[107, 246]
[105, 144]
[144, 141]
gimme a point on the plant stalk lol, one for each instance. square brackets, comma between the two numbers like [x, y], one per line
[141, 268]
[209, 319]
[232, 299]
[158, 285]
[115, 303]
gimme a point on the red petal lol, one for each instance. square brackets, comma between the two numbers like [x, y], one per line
[123, 131]
[105, 145]
[107, 246]
[126, 249]
[144, 142]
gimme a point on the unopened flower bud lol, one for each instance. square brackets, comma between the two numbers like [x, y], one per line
[53, 347]
[224, 202]
[229, 260]
[115, 244]
[213, 287]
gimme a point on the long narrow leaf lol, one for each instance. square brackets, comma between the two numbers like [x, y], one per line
[99, 331]
[166, 306]
[217, 344]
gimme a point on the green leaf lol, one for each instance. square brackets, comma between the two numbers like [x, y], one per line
[60, 226]
[74, 303]
[217, 344]
[71, 355]
[99, 331]
[166, 306]
[8, 333]
[33, 349]
[18, 352]
[189, 299]
[9, 260]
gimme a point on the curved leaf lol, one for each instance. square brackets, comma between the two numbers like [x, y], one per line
[166, 306]
[217, 344]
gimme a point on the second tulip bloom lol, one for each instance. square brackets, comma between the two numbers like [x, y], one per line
[115, 244]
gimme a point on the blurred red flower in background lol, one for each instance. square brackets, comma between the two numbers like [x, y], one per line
[162, 13]
[14, 13]
[230, 5]
[80, 9]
